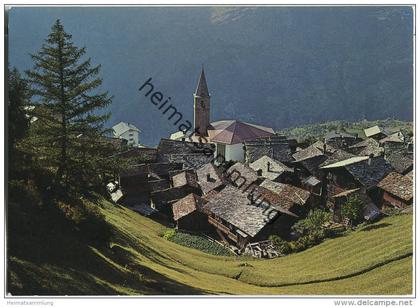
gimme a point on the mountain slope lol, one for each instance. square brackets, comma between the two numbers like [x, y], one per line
[140, 261]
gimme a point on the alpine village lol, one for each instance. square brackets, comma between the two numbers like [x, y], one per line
[242, 188]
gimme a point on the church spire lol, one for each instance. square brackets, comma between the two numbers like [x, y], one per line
[202, 90]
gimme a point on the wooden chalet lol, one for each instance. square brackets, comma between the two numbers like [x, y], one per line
[210, 177]
[236, 219]
[356, 172]
[188, 215]
[277, 147]
[273, 170]
[397, 190]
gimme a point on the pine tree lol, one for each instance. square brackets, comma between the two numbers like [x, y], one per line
[18, 101]
[70, 132]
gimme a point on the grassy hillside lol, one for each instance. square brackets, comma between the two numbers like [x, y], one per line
[139, 261]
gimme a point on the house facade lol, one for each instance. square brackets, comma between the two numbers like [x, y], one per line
[128, 132]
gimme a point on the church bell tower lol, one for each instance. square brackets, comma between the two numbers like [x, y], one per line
[201, 106]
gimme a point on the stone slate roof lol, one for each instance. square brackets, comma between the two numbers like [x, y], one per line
[307, 153]
[136, 170]
[239, 172]
[338, 134]
[186, 205]
[263, 195]
[367, 147]
[271, 169]
[337, 156]
[163, 169]
[400, 162]
[394, 138]
[311, 181]
[234, 207]
[290, 194]
[191, 161]
[328, 148]
[140, 154]
[184, 178]
[343, 163]
[277, 147]
[163, 197]
[374, 131]
[167, 147]
[210, 177]
[398, 185]
[369, 173]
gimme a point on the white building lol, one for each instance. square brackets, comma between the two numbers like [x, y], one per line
[128, 132]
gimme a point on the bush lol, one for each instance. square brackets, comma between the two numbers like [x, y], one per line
[169, 234]
[197, 242]
[353, 209]
[282, 246]
[315, 221]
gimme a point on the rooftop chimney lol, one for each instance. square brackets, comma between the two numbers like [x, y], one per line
[325, 148]
[208, 178]
[259, 172]
[370, 159]
[268, 166]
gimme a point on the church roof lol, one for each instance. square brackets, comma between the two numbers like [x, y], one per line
[235, 132]
[202, 89]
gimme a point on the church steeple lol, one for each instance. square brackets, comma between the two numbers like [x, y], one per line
[202, 106]
[202, 89]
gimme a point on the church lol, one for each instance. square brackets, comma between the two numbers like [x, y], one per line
[227, 135]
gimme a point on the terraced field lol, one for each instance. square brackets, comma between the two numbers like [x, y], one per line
[376, 259]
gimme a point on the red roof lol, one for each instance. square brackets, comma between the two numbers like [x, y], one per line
[234, 132]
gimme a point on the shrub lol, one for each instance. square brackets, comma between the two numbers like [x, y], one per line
[169, 234]
[315, 221]
[197, 242]
[282, 246]
[353, 209]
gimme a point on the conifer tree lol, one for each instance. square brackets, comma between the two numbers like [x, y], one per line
[18, 121]
[70, 132]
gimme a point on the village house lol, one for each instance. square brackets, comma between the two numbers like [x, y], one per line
[339, 139]
[236, 219]
[277, 147]
[401, 162]
[337, 156]
[370, 213]
[188, 215]
[210, 178]
[375, 132]
[192, 155]
[186, 178]
[128, 132]
[307, 161]
[356, 172]
[397, 190]
[366, 147]
[287, 197]
[274, 170]
[242, 176]
[139, 155]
